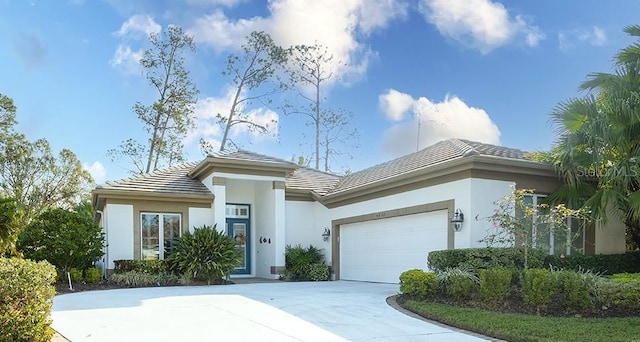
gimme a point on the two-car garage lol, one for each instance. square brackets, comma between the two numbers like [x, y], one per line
[380, 247]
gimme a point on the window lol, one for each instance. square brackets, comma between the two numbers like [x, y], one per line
[556, 241]
[157, 230]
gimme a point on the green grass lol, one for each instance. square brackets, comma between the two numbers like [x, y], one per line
[519, 327]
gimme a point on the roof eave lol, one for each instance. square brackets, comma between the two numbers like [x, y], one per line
[473, 162]
[207, 166]
[99, 195]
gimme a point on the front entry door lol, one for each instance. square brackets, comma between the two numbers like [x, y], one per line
[239, 230]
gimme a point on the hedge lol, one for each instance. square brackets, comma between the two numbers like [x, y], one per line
[143, 266]
[418, 283]
[26, 297]
[604, 264]
[484, 258]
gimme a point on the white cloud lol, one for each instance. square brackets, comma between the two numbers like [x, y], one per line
[479, 24]
[336, 24]
[97, 171]
[139, 23]
[204, 3]
[395, 104]
[433, 121]
[137, 28]
[221, 32]
[127, 60]
[594, 36]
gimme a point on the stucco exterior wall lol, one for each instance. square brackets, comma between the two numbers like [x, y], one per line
[199, 217]
[118, 223]
[484, 194]
[305, 221]
[264, 230]
[610, 238]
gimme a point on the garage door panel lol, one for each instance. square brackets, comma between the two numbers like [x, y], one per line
[380, 250]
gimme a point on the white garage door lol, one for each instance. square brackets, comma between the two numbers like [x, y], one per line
[380, 250]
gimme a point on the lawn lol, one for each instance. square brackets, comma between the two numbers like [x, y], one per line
[519, 327]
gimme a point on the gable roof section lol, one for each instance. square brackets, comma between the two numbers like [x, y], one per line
[241, 161]
[172, 182]
[445, 161]
[306, 182]
[440, 152]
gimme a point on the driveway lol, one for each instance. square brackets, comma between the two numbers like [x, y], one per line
[305, 311]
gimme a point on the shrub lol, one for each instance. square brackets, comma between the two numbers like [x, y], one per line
[574, 290]
[460, 283]
[538, 287]
[616, 295]
[67, 239]
[9, 227]
[495, 284]
[205, 254]
[605, 264]
[26, 296]
[484, 258]
[625, 277]
[318, 272]
[418, 283]
[143, 266]
[93, 275]
[298, 261]
[75, 275]
[135, 278]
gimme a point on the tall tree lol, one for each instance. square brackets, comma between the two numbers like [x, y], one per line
[311, 69]
[598, 150]
[32, 175]
[254, 78]
[169, 117]
[335, 130]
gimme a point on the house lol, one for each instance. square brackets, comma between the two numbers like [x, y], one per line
[372, 224]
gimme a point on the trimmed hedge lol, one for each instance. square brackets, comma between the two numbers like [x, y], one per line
[604, 264]
[26, 297]
[418, 283]
[484, 258]
[538, 286]
[495, 284]
[142, 266]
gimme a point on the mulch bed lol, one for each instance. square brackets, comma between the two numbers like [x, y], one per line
[62, 287]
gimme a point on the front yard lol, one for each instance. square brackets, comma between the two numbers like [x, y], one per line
[521, 327]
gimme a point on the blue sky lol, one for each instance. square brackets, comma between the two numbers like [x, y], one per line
[483, 70]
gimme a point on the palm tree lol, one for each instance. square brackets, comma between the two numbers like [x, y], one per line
[598, 148]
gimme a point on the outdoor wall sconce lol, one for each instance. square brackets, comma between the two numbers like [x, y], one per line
[457, 219]
[326, 234]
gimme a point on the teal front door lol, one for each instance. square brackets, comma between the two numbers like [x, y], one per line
[238, 229]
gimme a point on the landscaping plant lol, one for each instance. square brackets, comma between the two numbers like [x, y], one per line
[460, 283]
[495, 285]
[301, 262]
[93, 275]
[206, 254]
[418, 283]
[26, 297]
[66, 238]
[538, 286]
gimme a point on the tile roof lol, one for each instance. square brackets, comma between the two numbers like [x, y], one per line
[440, 152]
[172, 180]
[242, 155]
[176, 179]
[305, 178]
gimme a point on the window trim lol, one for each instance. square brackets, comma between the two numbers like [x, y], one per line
[160, 231]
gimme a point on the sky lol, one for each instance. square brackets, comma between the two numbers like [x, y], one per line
[411, 72]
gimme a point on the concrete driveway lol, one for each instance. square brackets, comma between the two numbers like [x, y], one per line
[306, 311]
